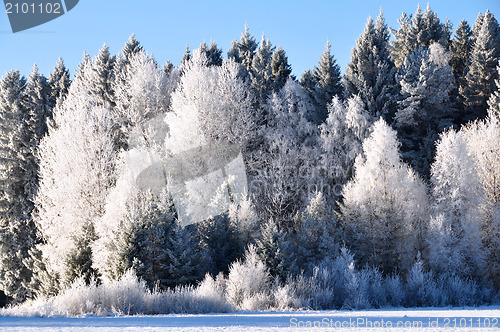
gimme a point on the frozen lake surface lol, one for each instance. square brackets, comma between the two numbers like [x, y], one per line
[428, 319]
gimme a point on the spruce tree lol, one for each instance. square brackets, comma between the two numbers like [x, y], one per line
[481, 71]
[370, 74]
[261, 73]
[59, 82]
[132, 46]
[460, 49]
[326, 76]
[280, 68]
[17, 231]
[102, 77]
[243, 51]
[213, 54]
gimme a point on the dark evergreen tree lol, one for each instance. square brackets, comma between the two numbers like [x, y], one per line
[481, 70]
[59, 82]
[102, 77]
[213, 54]
[280, 68]
[168, 67]
[187, 55]
[132, 46]
[261, 73]
[370, 74]
[243, 51]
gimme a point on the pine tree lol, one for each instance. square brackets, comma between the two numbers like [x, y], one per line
[187, 55]
[383, 205]
[481, 72]
[270, 248]
[370, 74]
[243, 51]
[168, 67]
[460, 47]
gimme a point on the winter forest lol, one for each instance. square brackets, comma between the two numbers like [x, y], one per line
[379, 187]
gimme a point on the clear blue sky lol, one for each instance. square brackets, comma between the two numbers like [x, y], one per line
[165, 27]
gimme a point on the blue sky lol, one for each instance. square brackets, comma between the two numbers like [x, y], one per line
[165, 27]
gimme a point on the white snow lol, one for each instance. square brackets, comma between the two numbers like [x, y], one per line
[429, 319]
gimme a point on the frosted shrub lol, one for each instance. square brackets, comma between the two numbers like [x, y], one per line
[394, 290]
[285, 298]
[421, 288]
[211, 292]
[248, 282]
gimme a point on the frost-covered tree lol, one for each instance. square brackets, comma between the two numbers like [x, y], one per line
[479, 81]
[59, 82]
[131, 47]
[370, 74]
[460, 49]
[102, 77]
[483, 140]
[426, 81]
[384, 206]
[327, 83]
[315, 237]
[494, 101]
[212, 53]
[421, 29]
[261, 72]
[280, 68]
[270, 247]
[455, 234]
[341, 136]
[77, 163]
[17, 231]
[142, 92]
[243, 51]
[285, 174]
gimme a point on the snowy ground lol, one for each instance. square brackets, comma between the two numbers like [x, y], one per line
[470, 319]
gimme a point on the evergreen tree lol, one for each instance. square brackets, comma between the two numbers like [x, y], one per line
[261, 73]
[187, 55]
[280, 68]
[323, 83]
[168, 67]
[494, 101]
[460, 49]
[370, 74]
[59, 82]
[102, 77]
[132, 47]
[384, 204]
[270, 248]
[212, 53]
[17, 231]
[422, 30]
[243, 51]
[426, 81]
[481, 72]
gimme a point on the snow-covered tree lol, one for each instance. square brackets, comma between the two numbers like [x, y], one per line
[455, 234]
[384, 206]
[479, 81]
[285, 170]
[327, 83]
[280, 68]
[370, 74]
[314, 239]
[341, 136]
[17, 231]
[261, 72]
[494, 101]
[77, 163]
[59, 82]
[243, 51]
[483, 140]
[421, 29]
[426, 81]
[102, 77]
[212, 53]
[460, 48]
